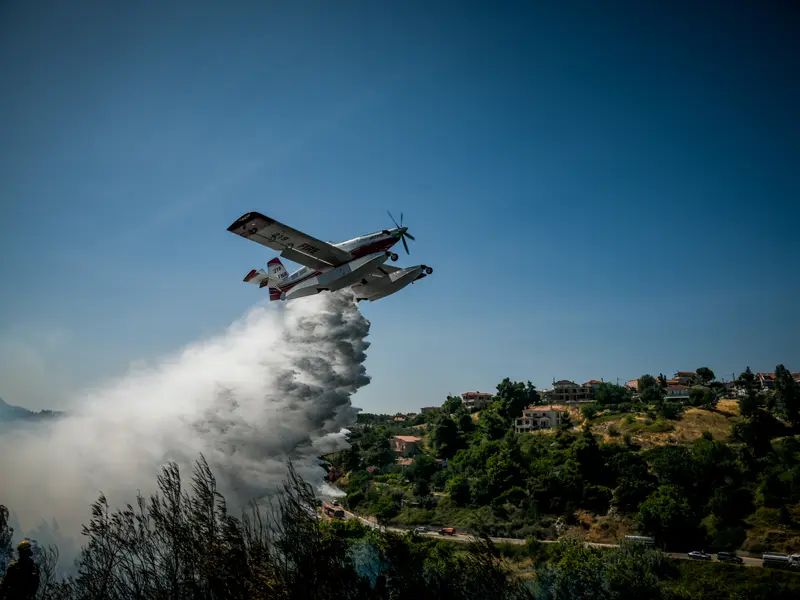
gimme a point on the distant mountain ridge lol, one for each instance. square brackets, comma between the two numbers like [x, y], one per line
[9, 412]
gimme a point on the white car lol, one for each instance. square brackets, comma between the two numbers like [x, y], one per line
[420, 530]
[696, 555]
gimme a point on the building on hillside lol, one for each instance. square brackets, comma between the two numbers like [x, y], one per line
[539, 417]
[767, 380]
[404, 445]
[633, 384]
[565, 392]
[683, 377]
[677, 392]
[476, 399]
[398, 419]
[427, 409]
[593, 385]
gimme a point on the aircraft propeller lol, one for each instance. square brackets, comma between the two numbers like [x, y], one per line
[403, 231]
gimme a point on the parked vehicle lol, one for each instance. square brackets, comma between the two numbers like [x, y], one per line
[334, 512]
[781, 561]
[698, 555]
[447, 531]
[729, 557]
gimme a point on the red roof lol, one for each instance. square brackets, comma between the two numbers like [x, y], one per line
[408, 439]
[479, 394]
[593, 382]
[678, 387]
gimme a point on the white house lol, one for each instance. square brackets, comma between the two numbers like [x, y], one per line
[539, 417]
[677, 392]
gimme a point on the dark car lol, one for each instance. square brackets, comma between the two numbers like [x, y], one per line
[697, 555]
[729, 557]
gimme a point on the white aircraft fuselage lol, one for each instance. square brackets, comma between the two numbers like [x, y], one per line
[357, 263]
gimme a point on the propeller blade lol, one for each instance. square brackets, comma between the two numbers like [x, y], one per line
[401, 219]
[393, 221]
[405, 245]
[409, 236]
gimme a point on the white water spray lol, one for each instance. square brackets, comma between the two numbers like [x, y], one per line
[276, 385]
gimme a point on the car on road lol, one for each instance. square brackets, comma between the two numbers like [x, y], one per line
[447, 531]
[697, 555]
[729, 557]
[420, 529]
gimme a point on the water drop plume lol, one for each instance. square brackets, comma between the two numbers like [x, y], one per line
[276, 385]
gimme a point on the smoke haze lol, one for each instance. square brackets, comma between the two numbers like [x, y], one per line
[276, 385]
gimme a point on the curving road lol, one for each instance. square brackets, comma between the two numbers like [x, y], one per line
[462, 537]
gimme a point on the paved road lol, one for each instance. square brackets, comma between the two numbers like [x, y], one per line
[748, 561]
[461, 537]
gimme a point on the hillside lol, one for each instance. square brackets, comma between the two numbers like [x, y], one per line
[647, 432]
[9, 411]
[707, 472]
[11, 415]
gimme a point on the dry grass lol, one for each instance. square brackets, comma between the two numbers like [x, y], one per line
[690, 427]
[608, 529]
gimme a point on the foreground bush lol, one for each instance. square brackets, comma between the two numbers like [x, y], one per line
[183, 544]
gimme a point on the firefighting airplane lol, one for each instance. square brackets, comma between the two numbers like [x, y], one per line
[357, 263]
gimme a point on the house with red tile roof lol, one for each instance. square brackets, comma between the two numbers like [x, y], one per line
[404, 445]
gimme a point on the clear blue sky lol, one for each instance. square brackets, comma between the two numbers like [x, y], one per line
[602, 192]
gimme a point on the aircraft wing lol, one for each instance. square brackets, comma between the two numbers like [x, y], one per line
[384, 271]
[291, 243]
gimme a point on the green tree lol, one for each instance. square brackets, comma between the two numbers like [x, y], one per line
[422, 488]
[752, 399]
[493, 425]
[379, 454]
[667, 515]
[514, 397]
[608, 393]
[650, 392]
[465, 423]
[351, 458]
[787, 396]
[423, 468]
[703, 397]
[446, 437]
[459, 491]
[705, 375]
[452, 404]
[674, 466]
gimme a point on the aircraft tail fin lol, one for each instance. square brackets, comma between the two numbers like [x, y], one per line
[272, 277]
[276, 271]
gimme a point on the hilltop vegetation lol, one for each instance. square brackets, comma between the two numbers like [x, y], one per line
[184, 544]
[712, 472]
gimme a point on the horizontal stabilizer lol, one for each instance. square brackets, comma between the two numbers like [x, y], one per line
[257, 277]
